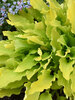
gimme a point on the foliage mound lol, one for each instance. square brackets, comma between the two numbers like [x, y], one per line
[40, 54]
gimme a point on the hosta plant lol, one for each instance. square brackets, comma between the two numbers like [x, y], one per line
[40, 54]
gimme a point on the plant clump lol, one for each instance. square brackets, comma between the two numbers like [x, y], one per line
[40, 54]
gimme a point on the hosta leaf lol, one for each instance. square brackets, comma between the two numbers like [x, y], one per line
[11, 35]
[39, 51]
[45, 56]
[40, 26]
[45, 96]
[40, 55]
[20, 44]
[35, 32]
[31, 72]
[11, 63]
[66, 68]
[28, 16]
[54, 37]
[50, 17]
[45, 78]
[20, 22]
[73, 80]
[3, 59]
[39, 5]
[9, 76]
[16, 84]
[62, 53]
[61, 40]
[71, 14]
[4, 48]
[46, 64]
[34, 96]
[54, 4]
[9, 92]
[35, 13]
[48, 31]
[63, 82]
[27, 63]
[36, 39]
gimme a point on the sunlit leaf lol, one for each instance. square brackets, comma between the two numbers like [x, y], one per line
[45, 78]
[28, 96]
[27, 63]
[9, 76]
[73, 80]
[66, 67]
[63, 82]
[71, 14]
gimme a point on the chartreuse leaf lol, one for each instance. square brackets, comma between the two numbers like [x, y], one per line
[34, 96]
[26, 15]
[36, 33]
[20, 44]
[39, 5]
[63, 82]
[73, 80]
[50, 19]
[9, 92]
[50, 16]
[58, 8]
[54, 4]
[20, 22]
[61, 54]
[11, 35]
[45, 96]
[35, 13]
[48, 31]
[6, 46]
[66, 67]
[71, 14]
[45, 56]
[32, 71]
[61, 40]
[28, 96]
[54, 37]
[33, 38]
[36, 39]
[11, 63]
[8, 76]
[40, 55]
[40, 30]
[46, 64]
[38, 85]
[39, 51]
[16, 84]
[27, 63]
[3, 59]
